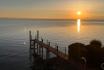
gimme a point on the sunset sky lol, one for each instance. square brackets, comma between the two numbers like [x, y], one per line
[52, 9]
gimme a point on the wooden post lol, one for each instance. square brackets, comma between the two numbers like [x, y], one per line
[30, 38]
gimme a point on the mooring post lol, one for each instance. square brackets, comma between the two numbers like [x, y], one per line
[30, 38]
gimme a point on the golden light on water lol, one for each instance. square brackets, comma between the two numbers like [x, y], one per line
[78, 21]
[78, 25]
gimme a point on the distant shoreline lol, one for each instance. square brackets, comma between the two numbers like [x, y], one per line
[50, 19]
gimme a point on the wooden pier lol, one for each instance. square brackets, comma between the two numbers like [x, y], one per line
[38, 47]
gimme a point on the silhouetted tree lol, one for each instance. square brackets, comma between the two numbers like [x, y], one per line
[94, 51]
[96, 44]
[76, 51]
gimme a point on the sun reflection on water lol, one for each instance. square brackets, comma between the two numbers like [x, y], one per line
[78, 25]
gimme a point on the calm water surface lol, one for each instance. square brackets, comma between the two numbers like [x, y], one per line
[14, 42]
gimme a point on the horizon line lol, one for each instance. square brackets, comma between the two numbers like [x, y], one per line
[49, 19]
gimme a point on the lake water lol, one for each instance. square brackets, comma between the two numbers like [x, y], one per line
[14, 38]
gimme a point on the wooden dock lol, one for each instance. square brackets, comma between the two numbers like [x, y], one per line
[38, 45]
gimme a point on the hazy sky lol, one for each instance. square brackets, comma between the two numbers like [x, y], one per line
[52, 8]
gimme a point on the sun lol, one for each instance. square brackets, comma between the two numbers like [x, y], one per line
[78, 12]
